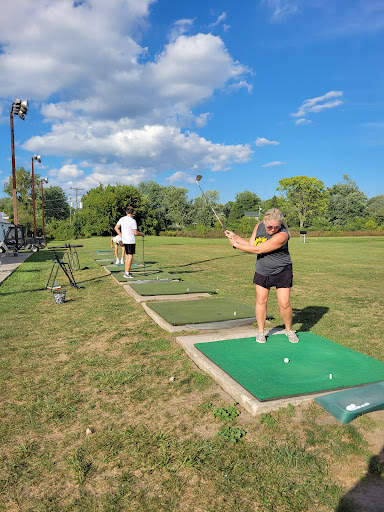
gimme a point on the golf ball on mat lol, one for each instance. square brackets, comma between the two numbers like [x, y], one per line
[234, 313]
[286, 360]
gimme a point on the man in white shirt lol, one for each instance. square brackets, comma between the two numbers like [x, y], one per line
[126, 227]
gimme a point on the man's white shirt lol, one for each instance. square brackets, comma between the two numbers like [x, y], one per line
[127, 225]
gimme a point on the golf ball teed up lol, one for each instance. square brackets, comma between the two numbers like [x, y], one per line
[286, 360]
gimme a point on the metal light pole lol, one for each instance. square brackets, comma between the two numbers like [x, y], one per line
[43, 180]
[20, 108]
[38, 160]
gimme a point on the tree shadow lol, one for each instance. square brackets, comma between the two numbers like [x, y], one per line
[368, 494]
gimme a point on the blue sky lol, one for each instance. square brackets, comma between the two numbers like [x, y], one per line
[244, 92]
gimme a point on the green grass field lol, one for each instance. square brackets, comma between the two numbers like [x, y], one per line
[162, 435]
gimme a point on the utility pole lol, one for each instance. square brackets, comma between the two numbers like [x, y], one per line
[70, 209]
[75, 188]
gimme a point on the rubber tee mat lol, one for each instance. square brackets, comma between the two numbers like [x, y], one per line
[348, 404]
[201, 311]
[315, 364]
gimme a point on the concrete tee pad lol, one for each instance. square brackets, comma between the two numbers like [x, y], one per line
[225, 381]
[226, 324]
[147, 298]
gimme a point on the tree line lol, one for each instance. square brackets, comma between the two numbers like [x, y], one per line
[305, 202]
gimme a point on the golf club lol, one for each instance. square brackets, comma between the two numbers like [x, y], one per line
[144, 258]
[198, 178]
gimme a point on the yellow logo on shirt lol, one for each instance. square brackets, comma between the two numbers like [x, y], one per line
[260, 240]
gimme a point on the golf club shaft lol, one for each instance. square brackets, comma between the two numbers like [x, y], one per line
[143, 257]
[205, 197]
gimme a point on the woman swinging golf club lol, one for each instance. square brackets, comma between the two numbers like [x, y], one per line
[269, 241]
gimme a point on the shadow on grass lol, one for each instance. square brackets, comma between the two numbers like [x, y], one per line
[308, 317]
[205, 261]
[67, 284]
[368, 494]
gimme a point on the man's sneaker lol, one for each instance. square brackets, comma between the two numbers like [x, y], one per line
[117, 261]
[292, 336]
[128, 275]
[121, 261]
[260, 337]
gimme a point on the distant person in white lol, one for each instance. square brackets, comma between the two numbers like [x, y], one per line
[126, 227]
[116, 241]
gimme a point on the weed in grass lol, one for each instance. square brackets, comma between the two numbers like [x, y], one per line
[268, 420]
[81, 464]
[226, 414]
[232, 434]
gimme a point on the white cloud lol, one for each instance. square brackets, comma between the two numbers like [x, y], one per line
[63, 45]
[180, 27]
[272, 164]
[220, 19]
[154, 147]
[281, 9]
[104, 100]
[261, 141]
[302, 121]
[314, 105]
[181, 177]
[67, 172]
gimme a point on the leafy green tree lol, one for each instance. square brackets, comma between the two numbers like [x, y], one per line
[155, 197]
[203, 214]
[305, 196]
[24, 196]
[375, 208]
[55, 204]
[346, 202]
[6, 205]
[177, 206]
[227, 209]
[244, 201]
[104, 205]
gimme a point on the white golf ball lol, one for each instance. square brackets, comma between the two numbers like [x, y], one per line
[234, 313]
[286, 360]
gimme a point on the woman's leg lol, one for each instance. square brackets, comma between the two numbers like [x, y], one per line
[283, 295]
[261, 306]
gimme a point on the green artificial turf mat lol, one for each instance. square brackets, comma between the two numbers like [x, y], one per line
[201, 311]
[170, 288]
[260, 368]
[150, 276]
[103, 262]
[346, 405]
[134, 268]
